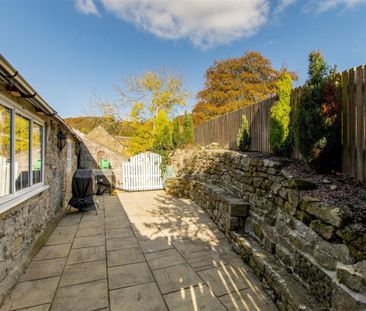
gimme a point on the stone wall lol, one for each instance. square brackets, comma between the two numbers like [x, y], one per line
[294, 243]
[92, 151]
[23, 228]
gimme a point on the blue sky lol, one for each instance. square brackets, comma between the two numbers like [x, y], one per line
[68, 49]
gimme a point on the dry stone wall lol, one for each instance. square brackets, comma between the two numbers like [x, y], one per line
[294, 243]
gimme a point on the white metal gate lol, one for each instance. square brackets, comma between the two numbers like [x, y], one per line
[142, 172]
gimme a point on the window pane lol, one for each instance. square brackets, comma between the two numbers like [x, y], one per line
[37, 132]
[21, 153]
[5, 130]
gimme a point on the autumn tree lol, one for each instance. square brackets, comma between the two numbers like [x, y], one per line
[146, 96]
[142, 140]
[141, 98]
[234, 83]
[108, 114]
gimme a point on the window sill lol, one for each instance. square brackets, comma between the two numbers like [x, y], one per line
[16, 200]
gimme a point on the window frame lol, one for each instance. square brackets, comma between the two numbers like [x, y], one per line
[15, 109]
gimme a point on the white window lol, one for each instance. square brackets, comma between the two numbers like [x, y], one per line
[21, 151]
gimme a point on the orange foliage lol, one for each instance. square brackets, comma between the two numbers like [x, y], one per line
[234, 83]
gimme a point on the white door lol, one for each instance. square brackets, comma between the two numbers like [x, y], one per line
[142, 172]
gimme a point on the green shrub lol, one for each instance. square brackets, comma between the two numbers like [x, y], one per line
[183, 130]
[317, 117]
[280, 115]
[162, 138]
[243, 137]
[162, 133]
[177, 133]
[188, 129]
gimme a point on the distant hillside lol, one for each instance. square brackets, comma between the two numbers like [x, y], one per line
[86, 124]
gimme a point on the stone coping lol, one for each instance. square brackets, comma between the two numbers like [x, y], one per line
[11, 205]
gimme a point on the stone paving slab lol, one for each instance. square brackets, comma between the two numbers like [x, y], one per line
[31, 293]
[143, 251]
[159, 244]
[224, 280]
[194, 298]
[84, 272]
[72, 219]
[248, 300]
[90, 231]
[145, 297]
[121, 243]
[81, 255]
[62, 235]
[82, 297]
[45, 307]
[129, 275]
[89, 241]
[118, 233]
[163, 259]
[188, 246]
[204, 259]
[125, 256]
[53, 251]
[43, 269]
[174, 278]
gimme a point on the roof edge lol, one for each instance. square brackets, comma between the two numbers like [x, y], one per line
[37, 100]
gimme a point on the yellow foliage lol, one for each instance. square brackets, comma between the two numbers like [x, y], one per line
[155, 91]
[143, 139]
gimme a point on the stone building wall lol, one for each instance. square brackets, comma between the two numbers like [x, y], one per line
[93, 149]
[103, 138]
[24, 226]
[290, 240]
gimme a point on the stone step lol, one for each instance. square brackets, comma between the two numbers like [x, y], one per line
[287, 293]
[226, 209]
[353, 276]
[239, 207]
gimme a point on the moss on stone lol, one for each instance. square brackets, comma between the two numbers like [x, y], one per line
[258, 231]
[326, 231]
[304, 217]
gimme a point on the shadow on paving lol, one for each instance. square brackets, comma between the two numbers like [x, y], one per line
[191, 261]
[152, 252]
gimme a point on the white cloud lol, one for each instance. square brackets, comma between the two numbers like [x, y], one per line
[282, 5]
[205, 23]
[325, 5]
[86, 7]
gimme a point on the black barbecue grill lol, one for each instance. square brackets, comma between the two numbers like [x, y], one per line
[83, 190]
[105, 180]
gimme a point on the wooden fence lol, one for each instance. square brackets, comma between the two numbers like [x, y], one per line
[354, 122]
[224, 129]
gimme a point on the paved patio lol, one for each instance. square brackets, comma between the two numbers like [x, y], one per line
[155, 252]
